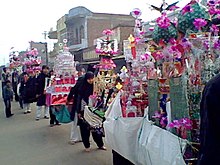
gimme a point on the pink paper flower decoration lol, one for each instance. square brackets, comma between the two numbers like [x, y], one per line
[136, 13]
[163, 21]
[187, 9]
[107, 32]
[34, 52]
[211, 3]
[173, 41]
[184, 122]
[217, 44]
[142, 33]
[159, 55]
[199, 23]
[187, 123]
[144, 57]
[175, 124]
[137, 39]
[151, 29]
[214, 29]
[173, 8]
[212, 10]
[163, 122]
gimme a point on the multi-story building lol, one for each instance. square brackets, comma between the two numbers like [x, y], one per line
[81, 27]
[84, 26]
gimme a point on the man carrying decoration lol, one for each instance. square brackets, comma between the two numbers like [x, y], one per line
[41, 93]
[81, 92]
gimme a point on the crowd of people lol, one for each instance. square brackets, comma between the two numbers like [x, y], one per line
[29, 87]
[25, 88]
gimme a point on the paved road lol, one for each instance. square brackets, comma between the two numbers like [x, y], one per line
[24, 141]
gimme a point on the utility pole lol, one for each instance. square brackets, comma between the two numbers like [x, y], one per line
[46, 49]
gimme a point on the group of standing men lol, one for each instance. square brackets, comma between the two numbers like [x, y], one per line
[27, 87]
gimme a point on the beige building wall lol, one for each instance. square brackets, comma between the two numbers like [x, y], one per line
[61, 29]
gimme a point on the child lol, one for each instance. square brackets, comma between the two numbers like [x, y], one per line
[7, 96]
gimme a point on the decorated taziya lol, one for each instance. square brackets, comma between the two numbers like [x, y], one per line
[14, 59]
[192, 18]
[164, 30]
[65, 65]
[32, 61]
[107, 46]
[32, 58]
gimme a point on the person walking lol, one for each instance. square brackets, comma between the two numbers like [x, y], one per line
[7, 96]
[41, 93]
[15, 78]
[27, 91]
[210, 124]
[75, 136]
[81, 92]
[53, 120]
[5, 77]
[20, 80]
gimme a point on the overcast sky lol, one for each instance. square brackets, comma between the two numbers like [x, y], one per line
[25, 20]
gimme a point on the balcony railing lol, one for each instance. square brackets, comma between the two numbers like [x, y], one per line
[77, 44]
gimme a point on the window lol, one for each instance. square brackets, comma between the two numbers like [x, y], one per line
[82, 36]
[77, 36]
[71, 37]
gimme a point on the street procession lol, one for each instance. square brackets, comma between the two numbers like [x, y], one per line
[140, 88]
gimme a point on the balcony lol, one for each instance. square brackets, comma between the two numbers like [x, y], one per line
[75, 45]
[52, 35]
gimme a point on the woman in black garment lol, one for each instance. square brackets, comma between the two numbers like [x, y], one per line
[81, 92]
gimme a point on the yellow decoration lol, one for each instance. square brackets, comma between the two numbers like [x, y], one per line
[118, 86]
[131, 38]
[151, 49]
[124, 69]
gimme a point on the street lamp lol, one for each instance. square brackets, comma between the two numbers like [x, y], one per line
[46, 52]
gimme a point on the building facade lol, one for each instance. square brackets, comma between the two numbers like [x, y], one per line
[84, 26]
[81, 27]
[62, 29]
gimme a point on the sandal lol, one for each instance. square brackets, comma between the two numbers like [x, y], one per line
[103, 148]
[88, 149]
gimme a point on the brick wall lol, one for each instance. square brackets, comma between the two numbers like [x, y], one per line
[99, 22]
[95, 28]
